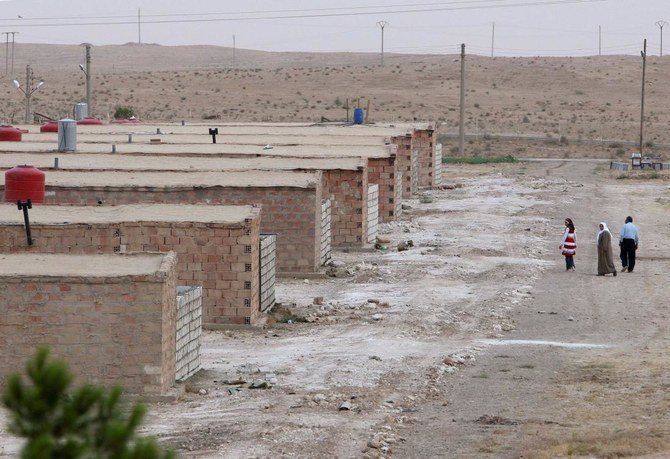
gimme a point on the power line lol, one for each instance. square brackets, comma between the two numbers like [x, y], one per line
[320, 15]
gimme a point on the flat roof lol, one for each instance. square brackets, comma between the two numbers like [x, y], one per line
[209, 149]
[62, 265]
[202, 138]
[227, 128]
[171, 163]
[170, 213]
[241, 179]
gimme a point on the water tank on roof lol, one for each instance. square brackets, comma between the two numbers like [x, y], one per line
[67, 135]
[49, 126]
[23, 183]
[9, 134]
[80, 111]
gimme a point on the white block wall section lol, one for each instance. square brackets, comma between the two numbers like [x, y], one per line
[415, 172]
[398, 202]
[437, 169]
[326, 236]
[268, 243]
[373, 212]
[189, 331]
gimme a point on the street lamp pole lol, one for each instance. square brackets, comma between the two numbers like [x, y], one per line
[28, 91]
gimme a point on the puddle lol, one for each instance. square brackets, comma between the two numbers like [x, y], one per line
[522, 342]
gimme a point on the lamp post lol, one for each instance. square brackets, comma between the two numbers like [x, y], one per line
[87, 72]
[29, 90]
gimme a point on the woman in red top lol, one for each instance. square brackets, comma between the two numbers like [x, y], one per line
[568, 245]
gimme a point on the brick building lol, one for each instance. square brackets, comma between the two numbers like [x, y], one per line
[291, 202]
[218, 247]
[111, 317]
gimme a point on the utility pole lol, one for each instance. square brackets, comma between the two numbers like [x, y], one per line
[139, 27]
[600, 41]
[87, 72]
[6, 34]
[234, 51]
[382, 25]
[660, 25]
[461, 129]
[644, 70]
[493, 36]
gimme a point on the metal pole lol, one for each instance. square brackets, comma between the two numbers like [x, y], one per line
[493, 35]
[382, 25]
[234, 48]
[139, 27]
[660, 25]
[88, 80]
[644, 70]
[6, 52]
[28, 92]
[13, 41]
[461, 129]
[600, 41]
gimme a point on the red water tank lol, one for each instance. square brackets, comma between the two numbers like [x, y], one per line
[23, 183]
[50, 126]
[9, 134]
[89, 122]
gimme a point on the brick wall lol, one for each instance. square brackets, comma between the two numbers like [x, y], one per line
[423, 141]
[222, 258]
[404, 160]
[294, 214]
[110, 330]
[348, 191]
[384, 172]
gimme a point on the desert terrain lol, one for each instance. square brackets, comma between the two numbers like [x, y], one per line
[569, 107]
[475, 342]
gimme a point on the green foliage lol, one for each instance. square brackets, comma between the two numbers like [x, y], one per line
[478, 159]
[121, 112]
[85, 423]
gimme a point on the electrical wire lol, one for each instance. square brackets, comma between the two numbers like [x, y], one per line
[319, 15]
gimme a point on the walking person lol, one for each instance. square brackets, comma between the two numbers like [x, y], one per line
[628, 241]
[605, 261]
[568, 245]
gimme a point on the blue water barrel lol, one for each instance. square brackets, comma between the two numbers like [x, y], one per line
[359, 116]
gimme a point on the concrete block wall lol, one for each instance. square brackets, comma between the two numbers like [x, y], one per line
[268, 261]
[222, 258]
[437, 171]
[348, 191]
[404, 159]
[326, 231]
[189, 330]
[294, 214]
[109, 329]
[373, 212]
[384, 172]
[424, 141]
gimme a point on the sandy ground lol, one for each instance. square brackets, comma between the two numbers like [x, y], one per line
[477, 343]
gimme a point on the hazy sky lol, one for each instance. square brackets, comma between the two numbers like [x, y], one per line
[522, 27]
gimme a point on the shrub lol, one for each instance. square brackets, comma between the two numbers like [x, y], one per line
[123, 112]
[87, 422]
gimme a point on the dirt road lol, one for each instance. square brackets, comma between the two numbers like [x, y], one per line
[475, 342]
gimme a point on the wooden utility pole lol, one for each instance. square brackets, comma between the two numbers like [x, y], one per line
[461, 129]
[644, 71]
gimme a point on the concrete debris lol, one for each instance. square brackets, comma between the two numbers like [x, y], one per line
[318, 301]
[345, 406]
[377, 317]
[405, 245]
[383, 240]
[260, 384]
[202, 392]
